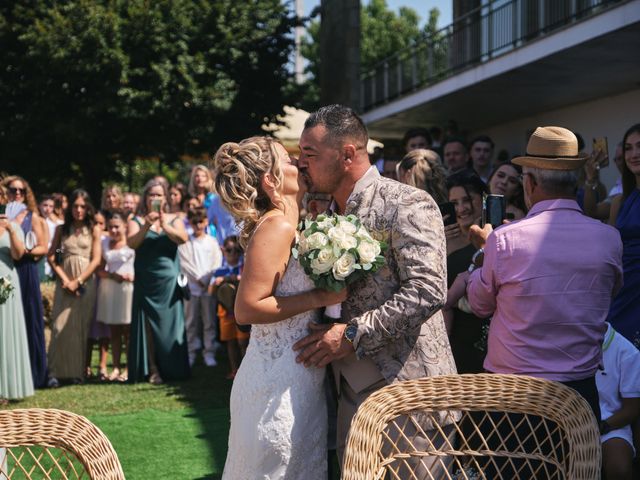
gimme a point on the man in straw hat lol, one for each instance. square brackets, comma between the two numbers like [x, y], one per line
[549, 278]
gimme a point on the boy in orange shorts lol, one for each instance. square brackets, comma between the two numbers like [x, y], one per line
[224, 284]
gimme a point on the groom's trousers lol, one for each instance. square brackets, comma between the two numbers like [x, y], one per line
[424, 467]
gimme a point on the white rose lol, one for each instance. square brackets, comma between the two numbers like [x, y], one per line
[342, 239]
[368, 251]
[325, 224]
[323, 262]
[348, 227]
[317, 240]
[362, 234]
[344, 266]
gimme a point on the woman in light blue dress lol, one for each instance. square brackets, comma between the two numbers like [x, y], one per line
[15, 367]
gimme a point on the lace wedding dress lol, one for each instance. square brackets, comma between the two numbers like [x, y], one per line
[278, 409]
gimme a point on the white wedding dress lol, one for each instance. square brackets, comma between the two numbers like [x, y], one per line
[278, 410]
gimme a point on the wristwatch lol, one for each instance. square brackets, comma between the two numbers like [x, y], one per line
[350, 333]
[478, 257]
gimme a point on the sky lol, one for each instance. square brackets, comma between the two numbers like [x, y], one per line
[420, 6]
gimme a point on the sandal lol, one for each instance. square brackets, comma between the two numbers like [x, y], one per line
[103, 376]
[115, 374]
[155, 379]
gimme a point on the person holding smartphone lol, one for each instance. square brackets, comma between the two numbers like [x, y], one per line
[157, 343]
[36, 243]
[15, 372]
[466, 330]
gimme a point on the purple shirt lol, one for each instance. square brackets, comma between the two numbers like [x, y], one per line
[548, 281]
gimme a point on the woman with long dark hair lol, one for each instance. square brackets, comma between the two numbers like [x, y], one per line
[506, 180]
[624, 315]
[466, 189]
[74, 257]
[36, 234]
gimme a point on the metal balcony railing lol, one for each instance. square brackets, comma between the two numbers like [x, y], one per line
[495, 28]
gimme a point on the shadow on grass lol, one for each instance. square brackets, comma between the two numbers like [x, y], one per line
[207, 396]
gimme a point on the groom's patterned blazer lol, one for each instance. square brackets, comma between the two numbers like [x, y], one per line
[401, 333]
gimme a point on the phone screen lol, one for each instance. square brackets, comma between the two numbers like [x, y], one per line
[602, 145]
[448, 208]
[3, 209]
[493, 210]
[155, 205]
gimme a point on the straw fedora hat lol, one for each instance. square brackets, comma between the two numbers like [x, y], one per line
[552, 148]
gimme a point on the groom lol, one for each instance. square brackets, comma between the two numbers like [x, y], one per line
[393, 329]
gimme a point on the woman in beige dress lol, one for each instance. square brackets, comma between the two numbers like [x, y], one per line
[74, 256]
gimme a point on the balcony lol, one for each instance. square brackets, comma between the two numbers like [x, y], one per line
[544, 49]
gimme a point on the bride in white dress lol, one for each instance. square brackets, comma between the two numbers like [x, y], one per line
[278, 411]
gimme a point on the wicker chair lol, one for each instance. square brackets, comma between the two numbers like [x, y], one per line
[505, 426]
[53, 444]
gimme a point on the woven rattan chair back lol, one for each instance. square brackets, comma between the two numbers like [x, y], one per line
[473, 427]
[53, 444]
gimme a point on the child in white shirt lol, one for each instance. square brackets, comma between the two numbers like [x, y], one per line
[619, 390]
[199, 258]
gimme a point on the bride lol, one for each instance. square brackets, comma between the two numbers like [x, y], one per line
[278, 411]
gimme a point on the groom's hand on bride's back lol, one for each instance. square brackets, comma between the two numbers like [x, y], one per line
[323, 345]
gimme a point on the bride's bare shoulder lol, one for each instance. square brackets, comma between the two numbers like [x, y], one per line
[273, 228]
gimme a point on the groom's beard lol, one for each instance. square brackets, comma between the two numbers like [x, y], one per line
[306, 179]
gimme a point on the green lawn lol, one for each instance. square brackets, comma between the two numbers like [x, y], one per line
[176, 431]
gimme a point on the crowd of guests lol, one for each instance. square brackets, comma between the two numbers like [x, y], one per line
[138, 276]
[555, 263]
[154, 275]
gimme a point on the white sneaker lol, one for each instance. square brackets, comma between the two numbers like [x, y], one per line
[53, 382]
[209, 360]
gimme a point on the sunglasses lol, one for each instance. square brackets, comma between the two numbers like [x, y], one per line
[232, 250]
[15, 191]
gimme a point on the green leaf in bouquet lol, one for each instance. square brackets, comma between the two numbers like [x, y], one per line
[357, 266]
[367, 266]
[294, 253]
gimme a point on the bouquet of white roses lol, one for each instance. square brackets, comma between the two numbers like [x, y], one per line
[6, 289]
[337, 250]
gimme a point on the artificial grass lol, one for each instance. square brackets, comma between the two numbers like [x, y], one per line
[177, 430]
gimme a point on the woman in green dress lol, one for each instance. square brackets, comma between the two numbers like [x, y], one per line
[157, 345]
[15, 367]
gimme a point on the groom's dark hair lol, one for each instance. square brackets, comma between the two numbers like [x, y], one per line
[341, 123]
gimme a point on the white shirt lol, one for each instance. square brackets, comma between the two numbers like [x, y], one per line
[621, 375]
[199, 258]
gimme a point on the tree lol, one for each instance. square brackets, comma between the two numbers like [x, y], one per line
[88, 83]
[383, 33]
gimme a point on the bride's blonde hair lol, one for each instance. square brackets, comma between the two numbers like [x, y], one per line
[238, 169]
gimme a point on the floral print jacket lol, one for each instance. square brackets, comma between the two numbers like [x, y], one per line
[397, 309]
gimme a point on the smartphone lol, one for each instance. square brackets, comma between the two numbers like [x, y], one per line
[602, 145]
[3, 209]
[155, 205]
[448, 208]
[494, 209]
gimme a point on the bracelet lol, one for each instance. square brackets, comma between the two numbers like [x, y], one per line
[593, 185]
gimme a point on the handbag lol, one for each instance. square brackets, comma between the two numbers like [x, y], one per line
[183, 287]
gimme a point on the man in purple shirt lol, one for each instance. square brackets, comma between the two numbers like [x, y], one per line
[549, 278]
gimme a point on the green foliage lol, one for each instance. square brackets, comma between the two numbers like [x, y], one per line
[87, 83]
[382, 34]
